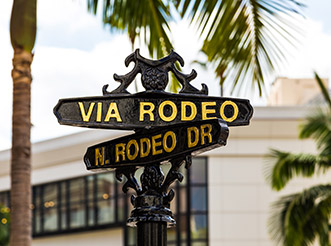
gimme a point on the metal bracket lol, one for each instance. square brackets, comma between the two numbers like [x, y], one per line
[152, 199]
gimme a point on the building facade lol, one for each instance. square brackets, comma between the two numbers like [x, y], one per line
[223, 200]
[294, 91]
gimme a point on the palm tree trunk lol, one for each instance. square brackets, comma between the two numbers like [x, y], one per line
[21, 216]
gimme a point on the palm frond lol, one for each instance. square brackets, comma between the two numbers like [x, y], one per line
[23, 24]
[284, 166]
[298, 218]
[246, 40]
[147, 19]
[324, 90]
[318, 126]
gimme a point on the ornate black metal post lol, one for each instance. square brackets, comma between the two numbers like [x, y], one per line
[151, 234]
[169, 128]
[151, 214]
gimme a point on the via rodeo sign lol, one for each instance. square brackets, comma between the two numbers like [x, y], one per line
[168, 126]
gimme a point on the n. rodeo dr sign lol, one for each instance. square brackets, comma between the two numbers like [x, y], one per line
[158, 145]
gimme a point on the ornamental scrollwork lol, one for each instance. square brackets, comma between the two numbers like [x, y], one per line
[155, 74]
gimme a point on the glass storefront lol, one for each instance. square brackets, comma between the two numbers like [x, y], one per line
[97, 201]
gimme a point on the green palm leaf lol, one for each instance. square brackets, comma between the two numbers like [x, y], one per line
[324, 90]
[298, 218]
[139, 18]
[23, 24]
[245, 39]
[284, 166]
[318, 126]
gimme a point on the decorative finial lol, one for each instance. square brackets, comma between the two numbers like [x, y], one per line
[155, 74]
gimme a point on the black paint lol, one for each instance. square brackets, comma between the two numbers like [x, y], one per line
[151, 234]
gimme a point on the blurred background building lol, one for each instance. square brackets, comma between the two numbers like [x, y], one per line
[295, 92]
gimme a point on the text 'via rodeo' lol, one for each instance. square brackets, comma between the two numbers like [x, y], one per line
[165, 110]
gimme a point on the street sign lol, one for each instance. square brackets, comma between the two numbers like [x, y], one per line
[158, 145]
[168, 128]
[150, 109]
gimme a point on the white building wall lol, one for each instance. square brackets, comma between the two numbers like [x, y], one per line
[293, 91]
[96, 238]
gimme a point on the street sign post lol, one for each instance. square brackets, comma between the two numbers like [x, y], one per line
[169, 128]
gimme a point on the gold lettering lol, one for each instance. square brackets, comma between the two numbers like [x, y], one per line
[193, 111]
[86, 117]
[99, 112]
[119, 151]
[100, 156]
[136, 149]
[206, 133]
[148, 147]
[113, 113]
[173, 114]
[156, 144]
[206, 111]
[191, 144]
[235, 111]
[173, 140]
[146, 111]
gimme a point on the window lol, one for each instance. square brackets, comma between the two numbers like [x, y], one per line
[97, 201]
[77, 205]
[49, 207]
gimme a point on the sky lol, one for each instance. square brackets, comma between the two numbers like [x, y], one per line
[75, 55]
